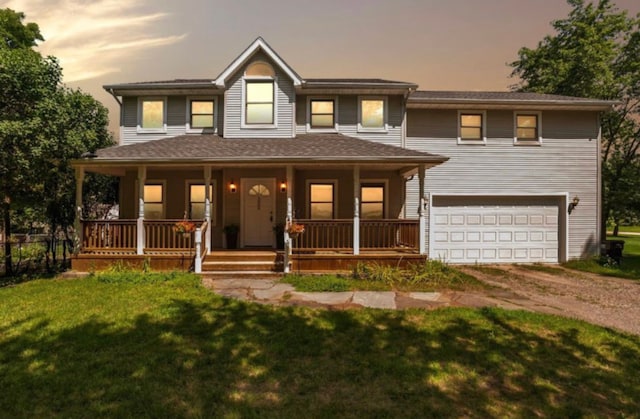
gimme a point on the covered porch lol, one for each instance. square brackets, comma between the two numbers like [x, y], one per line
[347, 206]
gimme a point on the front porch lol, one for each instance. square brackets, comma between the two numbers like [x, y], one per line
[323, 246]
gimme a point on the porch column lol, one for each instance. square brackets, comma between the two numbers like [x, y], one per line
[207, 207]
[356, 210]
[142, 177]
[288, 242]
[421, 213]
[287, 238]
[78, 218]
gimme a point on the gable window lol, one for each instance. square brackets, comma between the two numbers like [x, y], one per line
[197, 201]
[322, 113]
[201, 114]
[259, 100]
[152, 114]
[153, 201]
[471, 126]
[321, 201]
[527, 128]
[372, 201]
[372, 114]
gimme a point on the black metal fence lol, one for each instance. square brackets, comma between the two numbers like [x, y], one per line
[32, 253]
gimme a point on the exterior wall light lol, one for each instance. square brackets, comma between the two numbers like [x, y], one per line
[232, 187]
[283, 186]
[574, 203]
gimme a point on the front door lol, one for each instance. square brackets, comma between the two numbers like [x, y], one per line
[258, 211]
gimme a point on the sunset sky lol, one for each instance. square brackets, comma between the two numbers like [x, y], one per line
[438, 44]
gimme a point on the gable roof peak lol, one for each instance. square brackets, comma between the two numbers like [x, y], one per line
[258, 44]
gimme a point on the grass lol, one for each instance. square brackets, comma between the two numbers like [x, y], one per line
[629, 268]
[170, 348]
[431, 275]
[632, 229]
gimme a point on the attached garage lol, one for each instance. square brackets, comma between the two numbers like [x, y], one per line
[495, 229]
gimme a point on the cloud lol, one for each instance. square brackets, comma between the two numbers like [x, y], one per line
[92, 37]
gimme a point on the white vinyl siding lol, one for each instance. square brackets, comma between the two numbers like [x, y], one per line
[284, 100]
[566, 163]
[176, 120]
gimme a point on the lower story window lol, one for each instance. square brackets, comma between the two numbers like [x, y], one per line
[321, 201]
[197, 200]
[372, 201]
[153, 201]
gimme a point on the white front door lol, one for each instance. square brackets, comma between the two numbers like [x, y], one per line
[258, 211]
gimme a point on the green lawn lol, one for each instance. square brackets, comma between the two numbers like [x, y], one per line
[85, 348]
[633, 229]
[629, 268]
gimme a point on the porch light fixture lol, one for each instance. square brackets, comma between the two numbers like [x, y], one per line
[573, 204]
[232, 187]
[283, 186]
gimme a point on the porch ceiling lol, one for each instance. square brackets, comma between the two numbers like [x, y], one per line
[311, 150]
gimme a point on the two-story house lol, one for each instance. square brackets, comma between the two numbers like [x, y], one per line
[373, 169]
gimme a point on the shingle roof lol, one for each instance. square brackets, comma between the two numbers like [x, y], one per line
[209, 83]
[307, 147]
[352, 82]
[435, 96]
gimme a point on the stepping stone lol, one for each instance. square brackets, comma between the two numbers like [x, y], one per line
[274, 293]
[425, 296]
[231, 283]
[327, 298]
[375, 299]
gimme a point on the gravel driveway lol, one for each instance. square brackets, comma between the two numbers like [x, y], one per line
[597, 299]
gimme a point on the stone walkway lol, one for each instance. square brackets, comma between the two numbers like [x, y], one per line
[269, 291]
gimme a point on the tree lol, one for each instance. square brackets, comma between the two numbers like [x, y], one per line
[595, 53]
[43, 126]
[15, 34]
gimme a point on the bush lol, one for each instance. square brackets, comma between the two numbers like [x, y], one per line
[120, 273]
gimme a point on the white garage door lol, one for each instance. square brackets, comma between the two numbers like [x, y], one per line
[495, 234]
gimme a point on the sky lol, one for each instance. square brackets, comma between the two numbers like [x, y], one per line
[438, 44]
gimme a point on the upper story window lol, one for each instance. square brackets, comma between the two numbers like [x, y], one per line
[322, 114]
[527, 128]
[201, 114]
[471, 127]
[259, 100]
[372, 113]
[152, 114]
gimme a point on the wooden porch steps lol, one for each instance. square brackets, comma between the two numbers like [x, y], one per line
[243, 261]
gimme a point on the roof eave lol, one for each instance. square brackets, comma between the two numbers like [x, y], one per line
[436, 159]
[599, 105]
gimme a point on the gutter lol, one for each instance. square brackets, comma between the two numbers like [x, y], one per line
[112, 93]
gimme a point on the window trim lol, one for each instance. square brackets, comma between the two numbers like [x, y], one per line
[385, 204]
[259, 79]
[141, 100]
[187, 193]
[213, 129]
[483, 128]
[162, 182]
[385, 127]
[308, 184]
[335, 114]
[524, 142]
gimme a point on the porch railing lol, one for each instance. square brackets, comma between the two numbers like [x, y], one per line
[160, 235]
[389, 234]
[337, 235]
[325, 234]
[117, 235]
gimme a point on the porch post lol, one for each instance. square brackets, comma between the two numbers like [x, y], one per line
[356, 210]
[142, 175]
[207, 206]
[421, 212]
[197, 263]
[287, 238]
[78, 219]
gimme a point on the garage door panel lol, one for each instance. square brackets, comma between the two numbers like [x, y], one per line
[496, 233]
